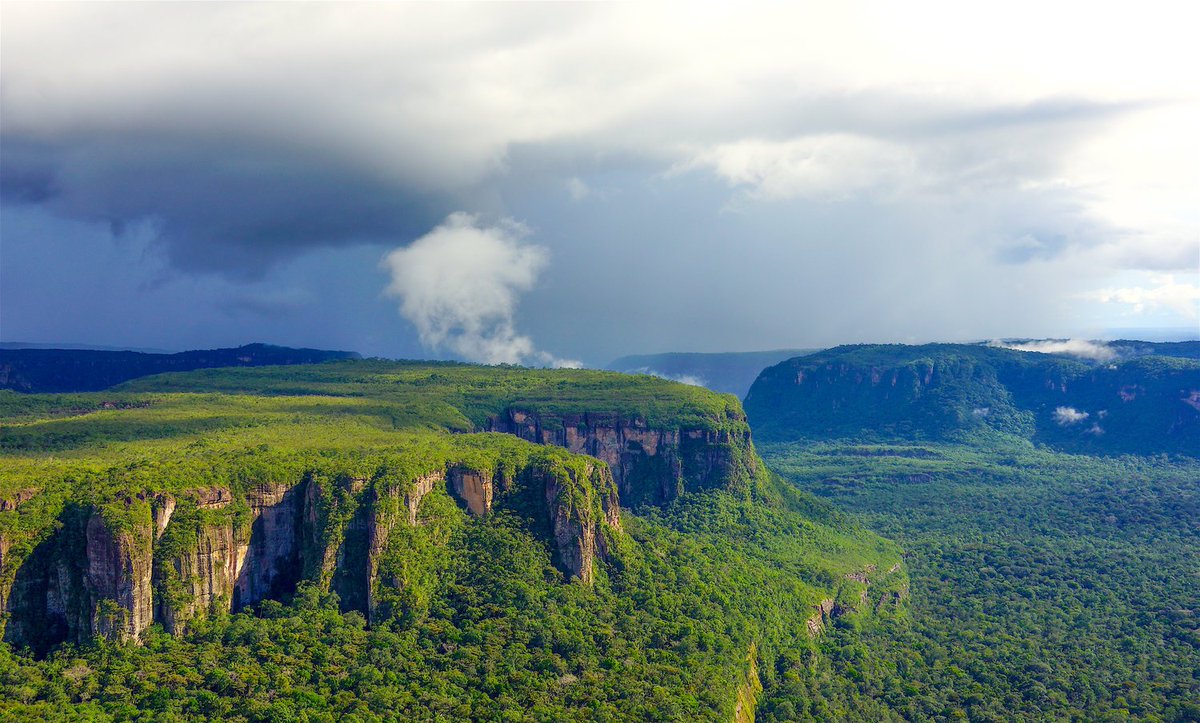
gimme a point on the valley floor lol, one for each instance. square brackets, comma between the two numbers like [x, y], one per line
[1044, 586]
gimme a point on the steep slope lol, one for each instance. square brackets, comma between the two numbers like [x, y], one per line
[376, 490]
[1146, 404]
[83, 370]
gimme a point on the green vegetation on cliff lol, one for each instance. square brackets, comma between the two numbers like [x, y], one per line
[1142, 405]
[345, 541]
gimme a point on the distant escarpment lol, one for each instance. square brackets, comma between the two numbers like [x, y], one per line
[110, 570]
[85, 370]
[1143, 405]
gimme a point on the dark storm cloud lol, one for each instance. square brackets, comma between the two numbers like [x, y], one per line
[812, 157]
[232, 208]
[237, 206]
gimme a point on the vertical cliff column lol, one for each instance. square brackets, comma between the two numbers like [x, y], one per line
[350, 508]
[577, 510]
[381, 522]
[120, 561]
[196, 563]
[270, 565]
[422, 486]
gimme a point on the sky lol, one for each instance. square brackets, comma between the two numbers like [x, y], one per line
[554, 184]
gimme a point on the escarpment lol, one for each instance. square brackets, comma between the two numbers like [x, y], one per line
[651, 464]
[1142, 405]
[111, 571]
[371, 492]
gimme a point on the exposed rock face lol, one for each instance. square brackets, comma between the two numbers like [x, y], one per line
[118, 578]
[412, 499]
[572, 525]
[92, 578]
[175, 557]
[164, 507]
[14, 500]
[205, 574]
[649, 465]
[268, 563]
[824, 611]
[473, 487]
[856, 599]
[379, 528]
[577, 509]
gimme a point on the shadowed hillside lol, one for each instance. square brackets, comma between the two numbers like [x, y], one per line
[87, 370]
[1144, 404]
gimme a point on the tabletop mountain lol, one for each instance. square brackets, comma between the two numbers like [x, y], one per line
[465, 540]
[1144, 404]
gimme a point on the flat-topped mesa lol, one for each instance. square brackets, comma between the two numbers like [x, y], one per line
[651, 464]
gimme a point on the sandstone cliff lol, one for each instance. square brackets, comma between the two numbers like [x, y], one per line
[650, 465]
[112, 568]
[113, 571]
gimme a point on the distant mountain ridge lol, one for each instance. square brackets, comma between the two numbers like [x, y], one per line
[88, 370]
[1146, 404]
[726, 372]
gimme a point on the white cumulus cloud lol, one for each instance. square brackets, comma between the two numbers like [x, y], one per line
[459, 285]
[689, 379]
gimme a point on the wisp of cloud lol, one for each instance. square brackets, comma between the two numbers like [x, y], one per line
[1082, 348]
[459, 285]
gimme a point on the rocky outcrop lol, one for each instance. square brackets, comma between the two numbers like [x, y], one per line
[379, 526]
[212, 560]
[867, 590]
[198, 580]
[578, 510]
[93, 577]
[580, 505]
[268, 561]
[824, 613]
[649, 464]
[118, 578]
[473, 487]
[15, 499]
[161, 511]
[422, 486]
